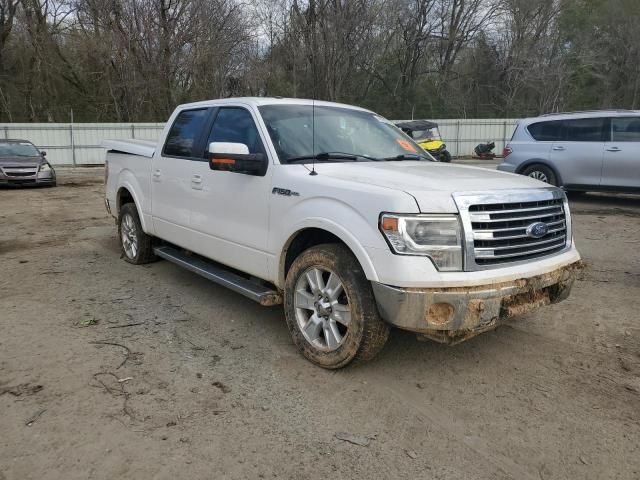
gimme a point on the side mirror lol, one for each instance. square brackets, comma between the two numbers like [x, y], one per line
[235, 157]
[44, 154]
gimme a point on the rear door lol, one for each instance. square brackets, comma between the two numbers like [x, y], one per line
[578, 155]
[621, 166]
[172, 174]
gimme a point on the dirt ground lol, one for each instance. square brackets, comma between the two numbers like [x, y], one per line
[109, 370]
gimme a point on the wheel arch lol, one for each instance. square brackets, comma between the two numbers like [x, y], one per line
[126, 194]
[309, 236]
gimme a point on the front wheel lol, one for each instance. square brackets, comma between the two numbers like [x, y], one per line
[330, 308]
[445, 156]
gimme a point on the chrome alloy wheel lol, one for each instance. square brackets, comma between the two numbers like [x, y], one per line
[538, 175]
[128, 236]
[322, 308]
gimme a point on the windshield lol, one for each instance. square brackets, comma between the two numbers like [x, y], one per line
[18, 149]
[429, 134]
[337, 130]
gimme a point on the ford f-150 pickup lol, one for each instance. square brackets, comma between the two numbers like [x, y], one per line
[334, 212]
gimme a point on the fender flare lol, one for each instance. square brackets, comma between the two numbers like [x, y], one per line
[339, 231]
[124, 182]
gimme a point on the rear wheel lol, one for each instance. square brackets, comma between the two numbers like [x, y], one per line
[445, 156]
[542, 173]
[135, 244]
[330, 309]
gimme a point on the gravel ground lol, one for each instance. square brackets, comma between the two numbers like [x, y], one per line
[109, 370]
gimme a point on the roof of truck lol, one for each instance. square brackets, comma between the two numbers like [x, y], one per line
[260, 101]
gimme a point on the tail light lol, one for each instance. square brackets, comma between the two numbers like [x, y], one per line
[506, 151]
[106, 171]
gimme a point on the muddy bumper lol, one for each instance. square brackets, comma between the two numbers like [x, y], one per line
[451, 315]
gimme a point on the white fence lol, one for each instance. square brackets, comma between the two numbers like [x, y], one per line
[77, 143]
[80, 143]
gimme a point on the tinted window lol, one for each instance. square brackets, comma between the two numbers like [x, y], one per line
[185, 132]
[584, 130]
[236, 125]
[625, 129]
[546, 131]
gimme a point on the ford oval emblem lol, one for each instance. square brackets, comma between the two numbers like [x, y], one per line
[537, 230]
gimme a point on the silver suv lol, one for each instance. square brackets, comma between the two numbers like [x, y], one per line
[597, 150]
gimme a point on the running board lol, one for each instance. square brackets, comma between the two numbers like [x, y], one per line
[218, 274]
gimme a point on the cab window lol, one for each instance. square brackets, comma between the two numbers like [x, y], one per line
[625, 129]
[235, 125]
[185, 134]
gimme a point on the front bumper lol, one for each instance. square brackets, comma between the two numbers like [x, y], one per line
[451, 315]
[37, 179]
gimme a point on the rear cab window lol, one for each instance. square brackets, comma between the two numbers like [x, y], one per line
[184, 139]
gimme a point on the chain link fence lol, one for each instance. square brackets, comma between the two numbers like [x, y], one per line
[80, 143]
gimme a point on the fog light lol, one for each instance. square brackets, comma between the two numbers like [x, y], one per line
[440, 313]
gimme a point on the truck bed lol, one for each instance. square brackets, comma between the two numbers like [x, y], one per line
[144, 148]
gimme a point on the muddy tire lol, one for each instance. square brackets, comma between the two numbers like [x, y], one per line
[136, 246]
[330, 308]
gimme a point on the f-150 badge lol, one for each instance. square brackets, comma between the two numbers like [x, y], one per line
[284, 191]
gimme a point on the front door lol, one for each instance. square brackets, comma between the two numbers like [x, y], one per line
[621, 167]
[578, 156]
[230, 210]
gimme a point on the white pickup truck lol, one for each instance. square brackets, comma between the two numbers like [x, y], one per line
[337, 214]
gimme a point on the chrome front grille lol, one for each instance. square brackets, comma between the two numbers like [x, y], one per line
[500, 230]
[19, 172]
[519, 227]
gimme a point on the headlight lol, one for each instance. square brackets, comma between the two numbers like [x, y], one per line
[45, 167]
[436, 236]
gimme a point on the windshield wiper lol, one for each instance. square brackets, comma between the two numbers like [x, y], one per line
[406, 156]
[325, 156]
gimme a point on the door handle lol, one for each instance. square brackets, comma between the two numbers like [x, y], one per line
[613, 149]
[558, 148]
[196, 182]
[156, 175]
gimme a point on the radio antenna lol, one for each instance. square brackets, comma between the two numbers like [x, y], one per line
[313, 135]
[313, 100]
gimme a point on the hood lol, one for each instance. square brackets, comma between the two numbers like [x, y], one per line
[21, 162]
[430, 183]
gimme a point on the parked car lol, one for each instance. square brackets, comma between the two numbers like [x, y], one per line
[21, 163]
[427, 135]
[332, 211]
[598, 150]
